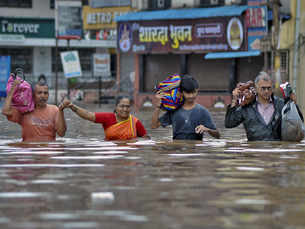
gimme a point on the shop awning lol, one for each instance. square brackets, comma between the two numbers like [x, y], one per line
[193, 13]
[224, 55]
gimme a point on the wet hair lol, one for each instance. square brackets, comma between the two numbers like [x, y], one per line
[262, 76]
[119, 98]
[188, 84]
[39, 83]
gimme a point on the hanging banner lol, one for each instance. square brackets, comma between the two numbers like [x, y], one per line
[71, 64]
[5, 69]
[183, 36]
[101, 65]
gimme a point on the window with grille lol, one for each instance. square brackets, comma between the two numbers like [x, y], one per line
[20, 57]
[159, 4]
[285, 65]
[52, 4]
[16, 3]
[85, 55]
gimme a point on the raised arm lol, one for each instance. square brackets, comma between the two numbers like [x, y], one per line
[83, 113]
[7, 107]
[155, 123]
[234, 115]
[61, 126]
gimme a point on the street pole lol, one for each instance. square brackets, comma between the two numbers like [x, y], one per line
[275, 39]
[56, 69]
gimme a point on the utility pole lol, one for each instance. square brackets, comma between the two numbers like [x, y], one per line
[275, 42]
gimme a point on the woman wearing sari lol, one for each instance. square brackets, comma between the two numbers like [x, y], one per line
[118, 125]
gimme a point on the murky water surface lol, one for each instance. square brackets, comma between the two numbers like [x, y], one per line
[81, 181]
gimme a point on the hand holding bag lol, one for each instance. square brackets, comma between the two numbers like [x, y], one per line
[292, 126]
[23, 96]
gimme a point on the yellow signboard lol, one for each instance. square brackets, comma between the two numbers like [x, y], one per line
[102, 18]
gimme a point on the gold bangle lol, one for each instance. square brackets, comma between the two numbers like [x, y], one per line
[74, 108]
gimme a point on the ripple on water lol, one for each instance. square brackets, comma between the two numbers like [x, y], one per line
[22, 194]
[87, 157]
[50, 165]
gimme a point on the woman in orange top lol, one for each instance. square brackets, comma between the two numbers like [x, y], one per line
[118, 125]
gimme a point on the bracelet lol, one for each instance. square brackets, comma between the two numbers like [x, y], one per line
[74, 108]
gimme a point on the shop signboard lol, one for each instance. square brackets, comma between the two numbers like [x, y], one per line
[71, 64]
[5, 69]
[257, 23]
[19, 28]
[101, 65]
[182, 36]
[68, 18]
[102, 18]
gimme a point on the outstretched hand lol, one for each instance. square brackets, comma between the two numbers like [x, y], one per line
[66, 103]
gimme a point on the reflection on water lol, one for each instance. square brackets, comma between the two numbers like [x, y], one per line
[81, 181]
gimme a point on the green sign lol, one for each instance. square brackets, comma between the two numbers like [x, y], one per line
[28, 27]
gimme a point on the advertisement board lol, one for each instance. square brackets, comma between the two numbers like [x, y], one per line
[5, 69]
[183, 36]
[101, 65]
[71, 64]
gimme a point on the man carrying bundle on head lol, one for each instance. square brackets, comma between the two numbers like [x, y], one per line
[189, 121]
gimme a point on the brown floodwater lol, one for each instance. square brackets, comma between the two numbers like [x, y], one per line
[82, 181]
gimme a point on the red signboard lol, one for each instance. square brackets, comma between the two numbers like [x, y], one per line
[256, 17]
[182, 36]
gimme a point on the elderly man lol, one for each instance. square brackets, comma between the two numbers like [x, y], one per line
[44, 122]
[262, 117]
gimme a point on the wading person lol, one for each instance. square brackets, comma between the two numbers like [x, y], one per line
[191, 120]
[118, 125]
[262, 117]
[44, 122]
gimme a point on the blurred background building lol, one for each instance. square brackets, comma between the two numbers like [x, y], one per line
[141, 42]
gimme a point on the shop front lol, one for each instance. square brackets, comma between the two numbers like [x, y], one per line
[99, 25]
[177, 41]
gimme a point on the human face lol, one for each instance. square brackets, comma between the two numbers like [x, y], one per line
[264, 90]
[123, 108]
[41, 95]
[189, 97]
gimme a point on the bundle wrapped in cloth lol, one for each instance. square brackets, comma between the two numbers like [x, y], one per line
[247, 93]
[22, 97]
[173, 97]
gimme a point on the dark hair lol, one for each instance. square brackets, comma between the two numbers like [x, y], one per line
[119, 98]
[42, 77]
[188, 84]
[41, 83]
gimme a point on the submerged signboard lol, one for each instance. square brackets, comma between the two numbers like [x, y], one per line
[177, 36]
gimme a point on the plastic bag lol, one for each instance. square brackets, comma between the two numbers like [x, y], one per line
[292, 126]
[23, 96]
[170, 87]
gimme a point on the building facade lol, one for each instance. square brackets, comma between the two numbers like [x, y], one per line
[27, 34]
[217, 42]
[292, 36]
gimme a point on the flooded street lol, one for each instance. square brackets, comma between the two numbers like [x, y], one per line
[81, 181]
